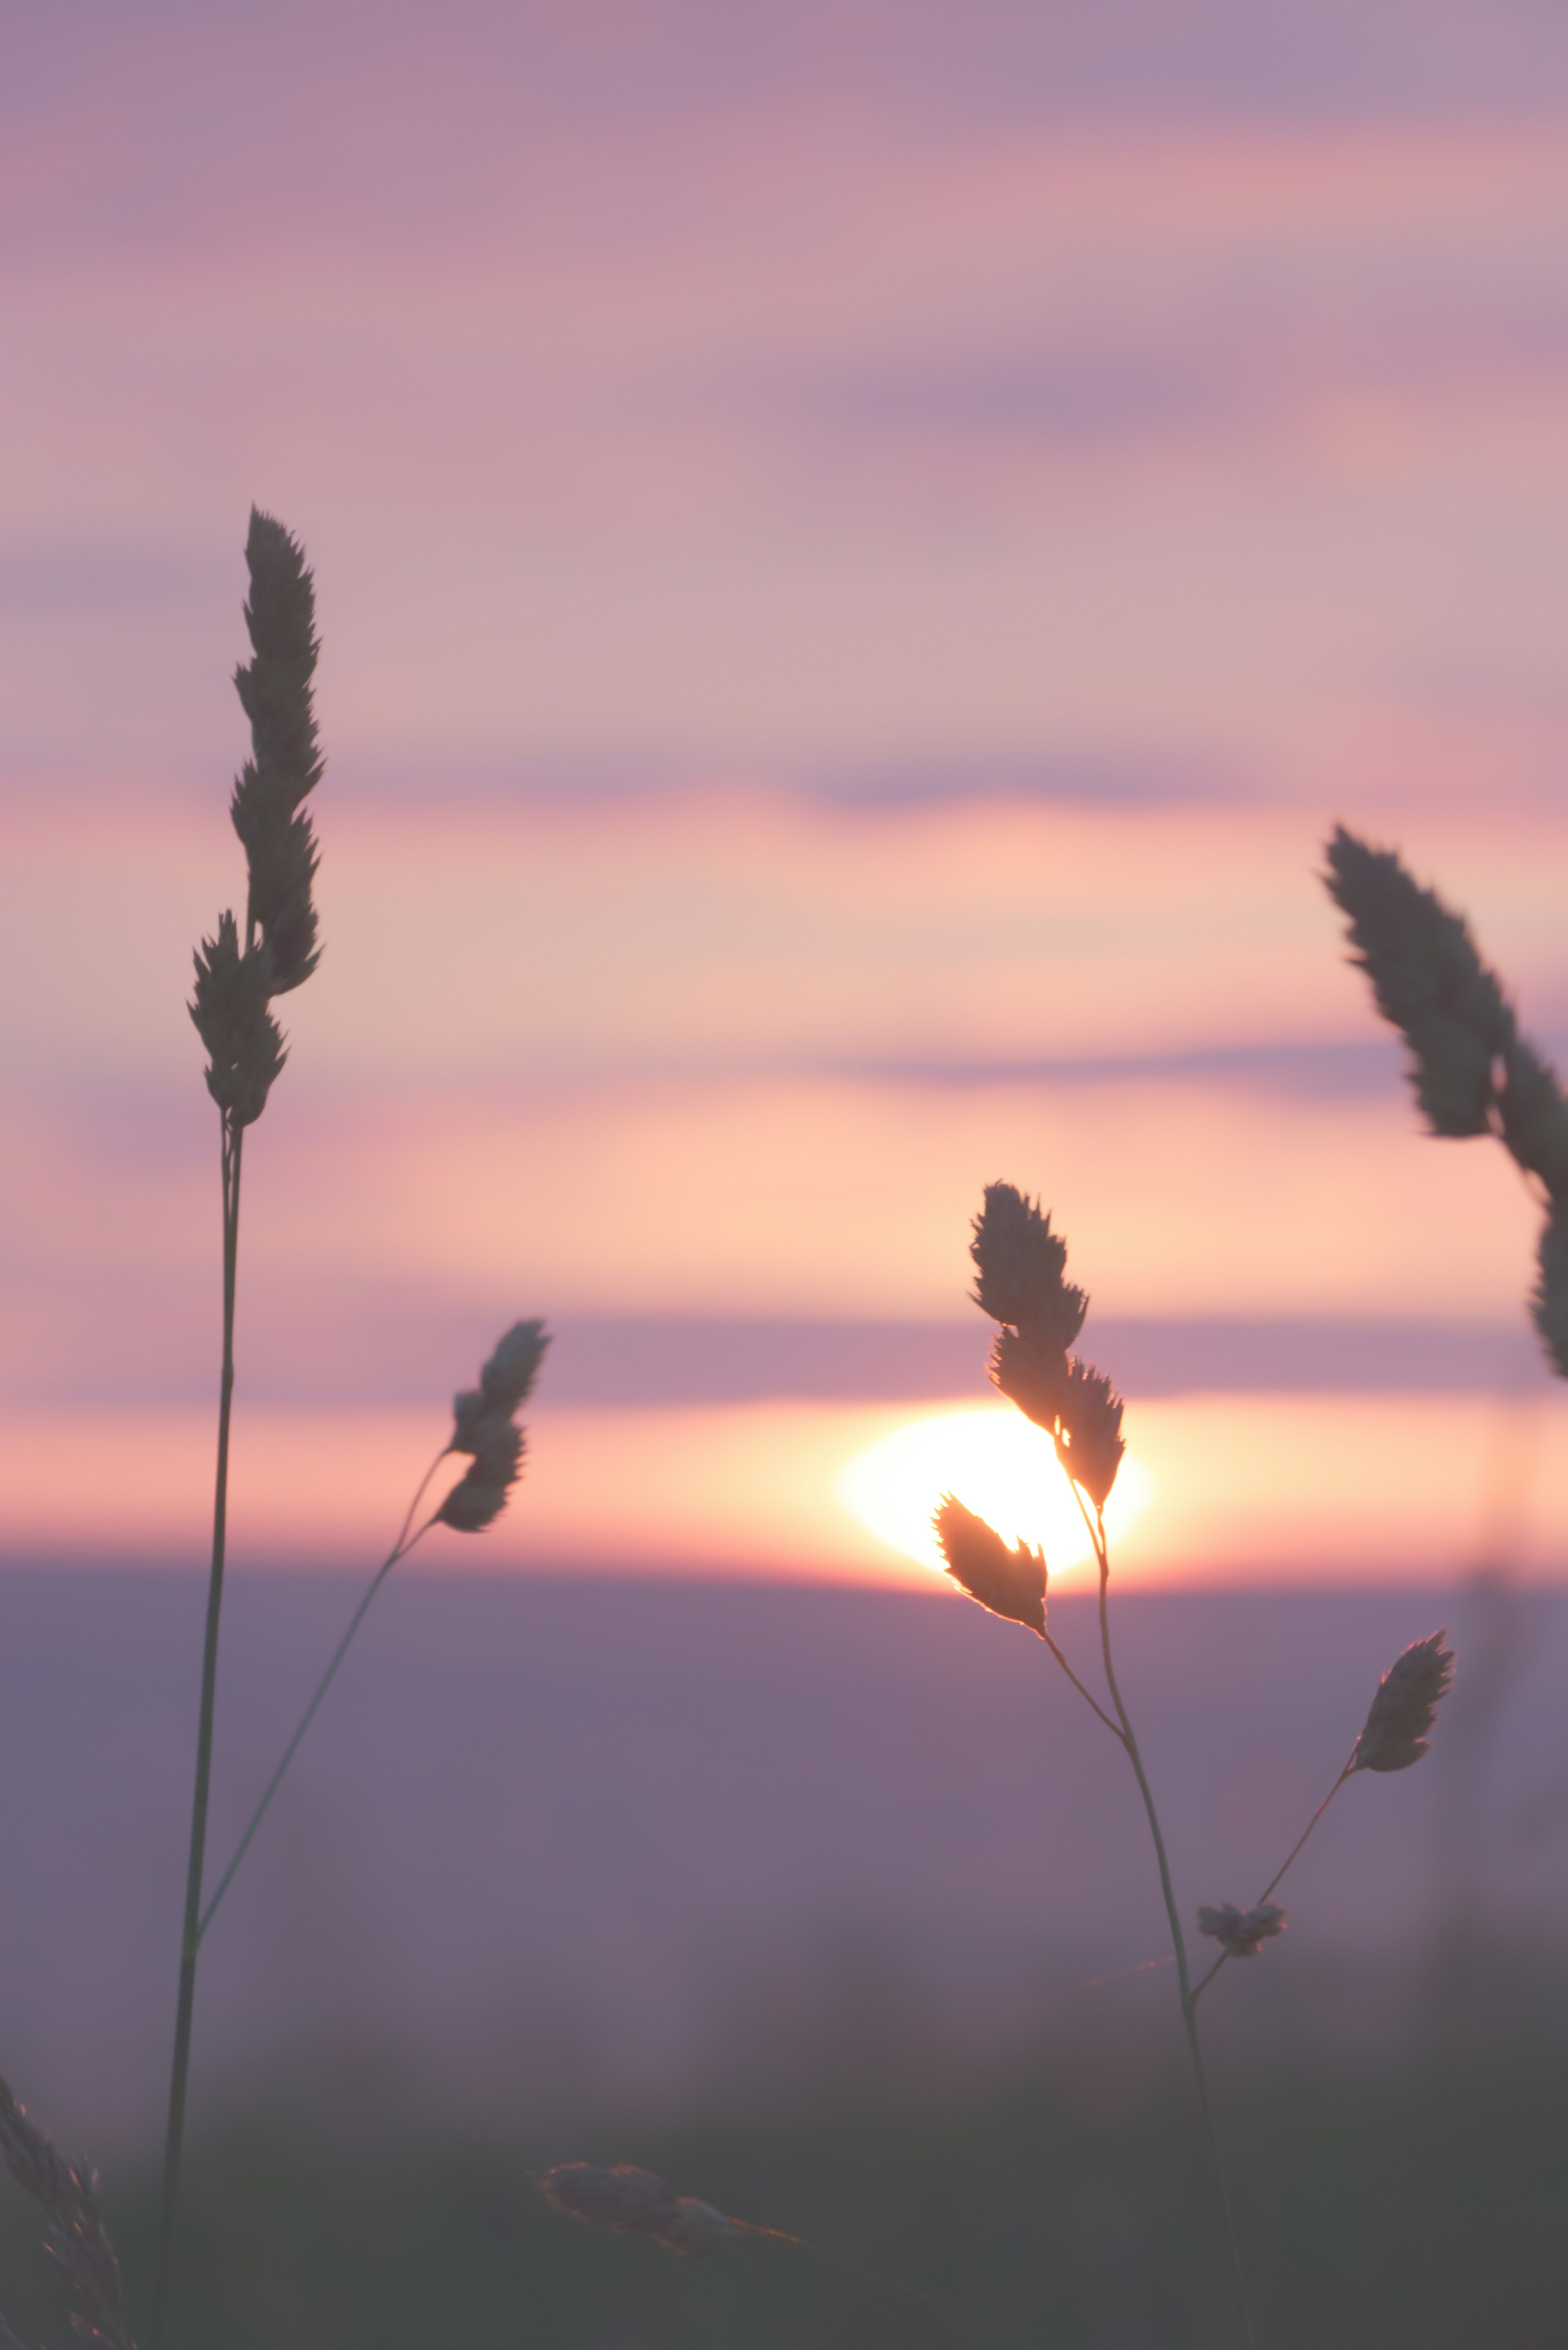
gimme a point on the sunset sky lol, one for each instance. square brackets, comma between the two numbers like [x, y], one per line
[860, 552]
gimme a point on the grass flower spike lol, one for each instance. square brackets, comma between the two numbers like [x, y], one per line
[1242, 1933]
[1089, 1442]
[1010, 1583]
[1019, 1267]
[1428, 981]
[1022, 1283]
[244, 1045]
[482, 1426]
[1405, 1707]
[77, 2237]
[286, 765]
[1472, 1071]
[235, 983]
[238, 974]
[638, 2203]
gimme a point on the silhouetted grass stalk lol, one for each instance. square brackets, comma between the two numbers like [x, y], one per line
[231, 1009]
[190, 1936]
[1020, 1266]
[1189, 1996]
[401, 1549]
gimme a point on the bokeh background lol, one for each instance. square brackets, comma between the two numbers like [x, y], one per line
[861, 550]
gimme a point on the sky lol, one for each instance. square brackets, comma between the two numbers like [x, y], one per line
[860, 553]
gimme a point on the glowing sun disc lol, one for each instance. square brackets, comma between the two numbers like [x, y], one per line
[1000, 1465]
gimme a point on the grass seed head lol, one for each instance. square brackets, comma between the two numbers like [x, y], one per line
[481, 1493]
[244, 1046]
[1242, 1933]
[482, 1426]
[507, 1379]
[1428, 982]
[1533, 1116]
[1019, 1267]
[1549, 1304]
[285, 767]
[1406, 1706]
[638, 2203]
[77, 2237]
[1089, 1441]
[698, 2230]
[633, 2202]
[1009, 1582]
[1030, 1373]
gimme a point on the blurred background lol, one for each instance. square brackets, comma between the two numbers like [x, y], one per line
[860, 553]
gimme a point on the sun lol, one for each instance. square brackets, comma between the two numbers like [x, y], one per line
[1000, 1465]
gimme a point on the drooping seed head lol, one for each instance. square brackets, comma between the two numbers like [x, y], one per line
[1533, 1116]
[698, 2230]
[1019, 1264]
[633, 2202]
[1089, 1441]
[1549, 1304]
[480, 1494]
[1009, 1582]
[77, 2238]
[1428, 982]
[1242, 1933]
[639, 2203]
[1406, 1706]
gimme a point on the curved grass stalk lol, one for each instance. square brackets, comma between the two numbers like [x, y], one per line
[401, 1549]
[1095, 1523]
[1200, 1988]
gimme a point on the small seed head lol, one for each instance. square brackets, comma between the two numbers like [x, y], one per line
[1032, 1373]
[632, 2202]
[480, 1494]
[507, 1379]
[244, 1046]
[1242, 1933]
[1010, 1583]
[639, 2203]
[1019, 1264]
[1089, 1441]
[1406, 1706]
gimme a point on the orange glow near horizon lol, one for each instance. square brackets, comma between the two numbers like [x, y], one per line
[1249, 1488]
[1000, 1466]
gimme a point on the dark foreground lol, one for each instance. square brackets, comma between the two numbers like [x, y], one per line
[1423, 2207]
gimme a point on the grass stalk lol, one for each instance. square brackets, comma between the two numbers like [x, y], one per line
[401, 1549]
[1200, 1988]
[1096, 1526]
[191, 1937]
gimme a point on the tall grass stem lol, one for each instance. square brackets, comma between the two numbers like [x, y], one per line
[191, 1937]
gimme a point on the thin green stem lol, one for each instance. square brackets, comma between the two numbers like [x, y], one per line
[232, 1143]
[401, 1549]
[1096, 1526]
[1198, 1989]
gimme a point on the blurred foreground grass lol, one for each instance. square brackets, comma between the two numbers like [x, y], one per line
[1425, 2206]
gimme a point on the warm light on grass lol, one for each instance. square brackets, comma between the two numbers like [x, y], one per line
[1000, 1466]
